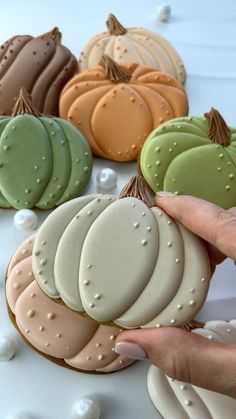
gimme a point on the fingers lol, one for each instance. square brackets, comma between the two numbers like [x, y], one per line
[184, 356]
[208, 221]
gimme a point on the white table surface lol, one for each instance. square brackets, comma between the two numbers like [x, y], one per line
[204, 33]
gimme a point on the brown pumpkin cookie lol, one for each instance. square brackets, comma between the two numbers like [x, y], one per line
[116, 107]
[42, 65]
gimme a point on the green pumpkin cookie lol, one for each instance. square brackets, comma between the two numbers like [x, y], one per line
[193, 156]
[44, 161]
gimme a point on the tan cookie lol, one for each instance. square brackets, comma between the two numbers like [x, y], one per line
[41, 65]
[57, 332]
[133, 44]
[116, 107]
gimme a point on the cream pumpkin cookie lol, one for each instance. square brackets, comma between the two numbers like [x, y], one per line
[54, 330]
[193, 156]
[133, 44]
[96, 247]
[175, 399]
[116, 107]
[44, 161]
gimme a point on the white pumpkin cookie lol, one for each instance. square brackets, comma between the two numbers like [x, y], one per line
[175, 399]
[121, 261]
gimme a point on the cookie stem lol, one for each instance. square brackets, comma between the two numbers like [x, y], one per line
[54, 34]
[218, 131]
[114, 26]
[113, 71]
[136, 188]
[24, 105]
[193, 324]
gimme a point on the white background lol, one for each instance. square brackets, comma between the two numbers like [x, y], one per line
[204, 33]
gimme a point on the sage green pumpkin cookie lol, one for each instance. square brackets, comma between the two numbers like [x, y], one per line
[193, 156]
[43, 161]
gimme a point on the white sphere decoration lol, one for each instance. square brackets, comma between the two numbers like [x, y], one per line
[25, 220]
[87, 408]
[163, 12]
[7, 348]
[107, 178]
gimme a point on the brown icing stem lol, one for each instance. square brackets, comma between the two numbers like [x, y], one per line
[193, 324]
[218, 131]
[113, 71]
[137, 188]
[54, 34]
[114, 26]
[24, 105]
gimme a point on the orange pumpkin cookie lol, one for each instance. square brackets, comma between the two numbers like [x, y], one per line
[116, 107]
[138, 45]
[42, 65]
[54, 330]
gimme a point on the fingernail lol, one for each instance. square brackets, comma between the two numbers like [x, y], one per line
[164, 194]
[131, 350]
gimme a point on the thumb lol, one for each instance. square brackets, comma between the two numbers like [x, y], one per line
[184, 356]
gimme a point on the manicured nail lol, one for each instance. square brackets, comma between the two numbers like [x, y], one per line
[164, 194]
[131, 350]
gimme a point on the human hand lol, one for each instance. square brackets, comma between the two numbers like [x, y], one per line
[181, 355]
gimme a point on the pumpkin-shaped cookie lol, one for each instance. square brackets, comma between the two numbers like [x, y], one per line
[116, 107]
[44, 161]
[193, 156]
[41, 65]
[175, 399]
[54, 330]
[121, 261]
[138, 45]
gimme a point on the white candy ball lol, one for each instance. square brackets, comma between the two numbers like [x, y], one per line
[163, 12]
[7, 348]
[87, 408]
[25, 220]
[107, 178]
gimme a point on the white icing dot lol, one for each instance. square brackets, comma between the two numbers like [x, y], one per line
[158, 325]
[192, 290]
[58, 335]
[89, 212]
[88, 358]
[91, 305]
[100, 357]
[112, 337]
[87, 408]
[172, 321]
[41, 328]
[89, 266]
[169, 244]
[97, 296]
[86, 282]
[7, 348]
[177, 260]
[143, 213]
[210, 337]
[144, 242]
[30, 313]
[107, 178]
[179, 306]
[228, 330]
[203, 279]
[192, 303]
[160, 214]
[43, 262]
[188, 402]
[25, 220]
[136, 225]
[183, 387]
[149, 228]
[51, 316]
[169, 222]
[98, 345]
[16, 285]
[133, 205]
